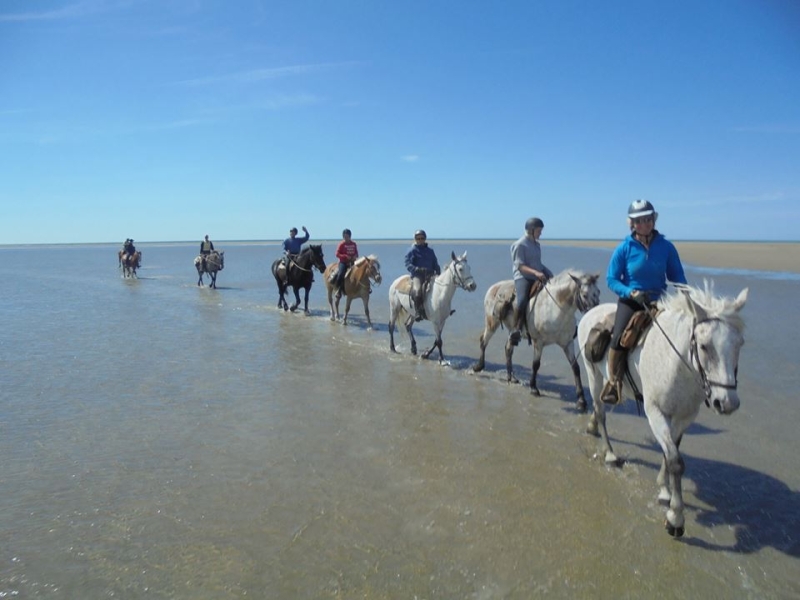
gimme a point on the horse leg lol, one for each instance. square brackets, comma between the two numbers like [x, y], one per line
[213, 277]
[509, 368]
[490, 326]
[365, 300]
[199, 278]
[409, 326]
[347, 309]
[673, 467]
[537, 362]
[305, 302]
[569, 352]
[294, 306]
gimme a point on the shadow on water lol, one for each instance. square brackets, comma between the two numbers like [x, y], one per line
[761, 509]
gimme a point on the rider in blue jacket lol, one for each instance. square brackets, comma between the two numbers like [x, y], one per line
[422, 265]
[293, 244]
[638, 273]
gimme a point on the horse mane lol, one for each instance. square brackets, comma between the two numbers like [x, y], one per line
[719, 307]
[362, 259]
[562, 282]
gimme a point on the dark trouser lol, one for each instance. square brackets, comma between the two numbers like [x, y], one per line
[625, 309]
[523, 289]
[339, 281]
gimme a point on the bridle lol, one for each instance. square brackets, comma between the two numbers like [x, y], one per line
[460, 281]
[694, 357]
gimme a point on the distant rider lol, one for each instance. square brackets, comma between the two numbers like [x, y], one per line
[422, 265]
[206, 248]
[526, 256]
[292, 245]
[346, 252]
[128, 248]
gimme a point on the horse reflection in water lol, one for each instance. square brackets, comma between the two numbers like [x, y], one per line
[690, 355]
[438, 297]
[357, 284]
[300, 275]
[129, 263]
[209, 264]
[551, 320]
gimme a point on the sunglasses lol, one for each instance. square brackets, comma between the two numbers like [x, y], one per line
[640, 220]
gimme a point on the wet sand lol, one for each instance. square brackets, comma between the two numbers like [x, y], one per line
[756, 256]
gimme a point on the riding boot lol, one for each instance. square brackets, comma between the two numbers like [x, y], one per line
[612, 390]
[519, 322]
[419, 308]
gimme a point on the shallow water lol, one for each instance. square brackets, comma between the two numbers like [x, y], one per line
[163, 440]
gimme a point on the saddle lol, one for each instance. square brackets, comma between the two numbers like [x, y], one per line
[404, 287]
[634, 333]
[506, 299]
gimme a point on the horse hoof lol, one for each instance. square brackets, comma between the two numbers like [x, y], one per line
[580, 406]
[673, 531]
[477, 368]
[512, 379]
[535, 392]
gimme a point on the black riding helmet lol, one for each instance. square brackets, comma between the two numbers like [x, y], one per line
[533, 223]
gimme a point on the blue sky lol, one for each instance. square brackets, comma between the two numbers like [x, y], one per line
[169, 119]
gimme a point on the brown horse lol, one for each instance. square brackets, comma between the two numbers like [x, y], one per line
[129, 263]
[357, 284]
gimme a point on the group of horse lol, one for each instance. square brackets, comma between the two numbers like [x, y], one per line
[687, 357]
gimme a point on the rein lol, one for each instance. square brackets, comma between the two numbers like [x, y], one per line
[694, 356]
[456, 277]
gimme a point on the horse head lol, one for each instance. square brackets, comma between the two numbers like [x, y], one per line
[374, 269]
[717, 337]
[317, 259]
[587, 294]
[462, 274]
[221, 259]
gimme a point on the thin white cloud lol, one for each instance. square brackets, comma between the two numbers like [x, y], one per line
[410, 158]
[256, 75]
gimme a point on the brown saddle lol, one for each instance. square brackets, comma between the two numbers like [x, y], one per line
[506, 299]
[404, 287]
[634, 333]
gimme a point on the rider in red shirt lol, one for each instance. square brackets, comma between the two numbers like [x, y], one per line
[346, 252]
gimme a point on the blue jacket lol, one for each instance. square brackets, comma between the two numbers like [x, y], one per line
[295, 244]
[633, 267]
[421, 256]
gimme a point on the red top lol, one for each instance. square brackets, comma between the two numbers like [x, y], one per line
[346, 252]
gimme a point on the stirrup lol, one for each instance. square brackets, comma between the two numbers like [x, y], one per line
[611, 394]
[515, 337]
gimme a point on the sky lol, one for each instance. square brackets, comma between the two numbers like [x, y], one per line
[165, 120]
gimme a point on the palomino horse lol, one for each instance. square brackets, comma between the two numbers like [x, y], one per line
[215, 261]
[300, 275]
[689, 355]
[438, 296]
[357, 284]
[553, 321]
[129, 263]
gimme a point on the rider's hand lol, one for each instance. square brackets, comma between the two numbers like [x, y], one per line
[304, 228]
[640, 297]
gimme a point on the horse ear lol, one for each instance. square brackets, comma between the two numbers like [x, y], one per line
[575, 279]
[453, 255]
[694, 308]
[738, 304]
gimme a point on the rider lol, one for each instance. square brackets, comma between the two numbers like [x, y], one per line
[638, 273]
[422, 265]
[128, 248]
[292, 245]
[346, 252]
[526, 257]
[206, 248]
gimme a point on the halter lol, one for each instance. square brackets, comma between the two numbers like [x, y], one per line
[460, 282]
[694, 356]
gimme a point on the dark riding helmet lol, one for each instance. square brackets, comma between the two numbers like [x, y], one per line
[293, 230]
[533, 223]
[346, 232]
[420, 233]
[640, 208]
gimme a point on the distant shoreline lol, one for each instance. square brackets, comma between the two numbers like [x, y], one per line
[753, 256]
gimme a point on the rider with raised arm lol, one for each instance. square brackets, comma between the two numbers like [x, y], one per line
[293, 244]
[422, 265]
[526, 258]
[128, 248]
[638, 273]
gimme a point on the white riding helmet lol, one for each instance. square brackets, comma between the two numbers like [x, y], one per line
[640, 208]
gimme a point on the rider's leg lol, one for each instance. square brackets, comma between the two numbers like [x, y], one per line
[418, 297]
[340, 279]
[523, 290]
[617, 355]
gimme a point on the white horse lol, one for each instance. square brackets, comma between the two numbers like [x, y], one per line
[438, 297]
[689, 355]
[553, 311]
